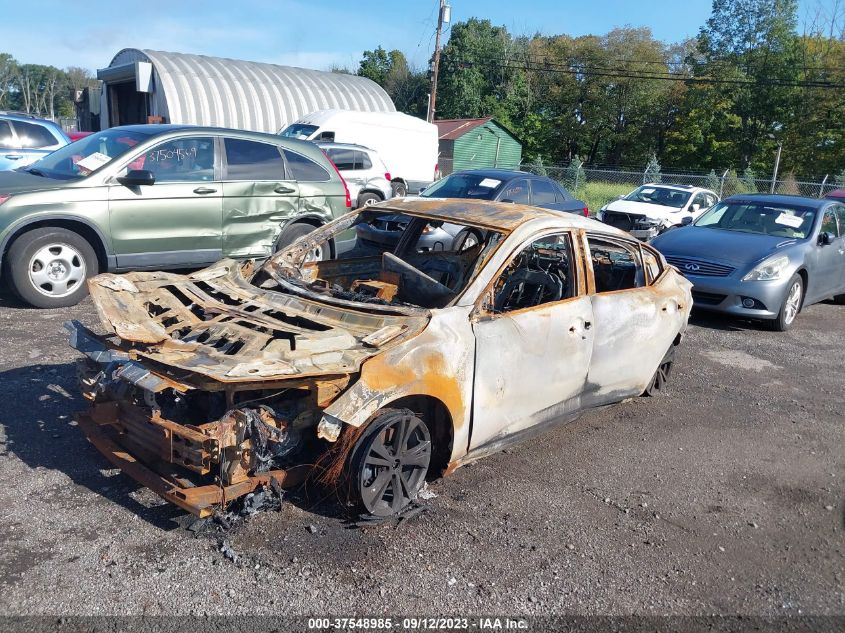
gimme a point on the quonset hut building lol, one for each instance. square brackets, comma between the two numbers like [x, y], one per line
[145, 86]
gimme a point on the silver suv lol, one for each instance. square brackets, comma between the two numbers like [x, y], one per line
[363, 170]
[24, 139]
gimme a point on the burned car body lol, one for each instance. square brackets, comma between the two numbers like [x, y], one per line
[377, 370]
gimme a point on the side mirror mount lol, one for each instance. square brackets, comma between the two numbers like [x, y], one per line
[620, 196]
[508, 200]
[826, 238]
[137, 178]
[686, 221]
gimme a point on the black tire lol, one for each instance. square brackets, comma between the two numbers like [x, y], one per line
[384, 472]
[400, 190]
[789, 309]
[61, 259]
[297, 231]
[367, 198]
[839, 300]
[466, 239]
[661, 376]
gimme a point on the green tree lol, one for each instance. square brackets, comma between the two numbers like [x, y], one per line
[652, 171]
[407, 88]
[574, 177]
[712, 181]
[749, 180]
[751, 46]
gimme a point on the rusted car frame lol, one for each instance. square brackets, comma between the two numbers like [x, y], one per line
[374, 371]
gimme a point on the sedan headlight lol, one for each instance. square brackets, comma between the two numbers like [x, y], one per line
[768, 270]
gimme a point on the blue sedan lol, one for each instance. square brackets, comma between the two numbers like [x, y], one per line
[762, 256]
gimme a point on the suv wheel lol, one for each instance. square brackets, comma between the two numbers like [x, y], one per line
[399, 189]
[297, 231]
[49, 267]
[366, 199]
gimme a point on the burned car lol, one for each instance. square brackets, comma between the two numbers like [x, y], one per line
[378, 370]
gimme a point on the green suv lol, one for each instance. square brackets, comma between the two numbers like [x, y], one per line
[150, 197]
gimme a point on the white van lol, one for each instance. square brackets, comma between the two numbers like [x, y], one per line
[406, 144]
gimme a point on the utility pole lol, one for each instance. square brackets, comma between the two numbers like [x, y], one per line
[777, 165]
[443, 17]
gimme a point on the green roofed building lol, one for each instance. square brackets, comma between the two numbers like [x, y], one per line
[475, 144]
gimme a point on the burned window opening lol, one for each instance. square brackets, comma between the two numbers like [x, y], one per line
[396, 259]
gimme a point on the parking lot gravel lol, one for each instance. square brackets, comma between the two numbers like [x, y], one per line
[724, 496]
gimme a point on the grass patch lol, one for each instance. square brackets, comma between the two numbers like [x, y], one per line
[598, 194]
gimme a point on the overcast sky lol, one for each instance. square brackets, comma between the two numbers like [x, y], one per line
[314, 34]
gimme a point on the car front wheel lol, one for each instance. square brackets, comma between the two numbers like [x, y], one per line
[791, 305]
[388, 465]
[49, 267]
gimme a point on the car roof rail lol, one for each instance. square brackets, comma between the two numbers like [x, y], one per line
[28, 115]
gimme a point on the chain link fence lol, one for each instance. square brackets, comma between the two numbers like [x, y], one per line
[599, 185]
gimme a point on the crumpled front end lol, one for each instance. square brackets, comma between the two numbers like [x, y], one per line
[210, 388]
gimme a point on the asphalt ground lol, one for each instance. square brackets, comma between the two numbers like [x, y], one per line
[724, 496]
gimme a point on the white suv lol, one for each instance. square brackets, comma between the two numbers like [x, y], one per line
[363, 170]
[654, 208]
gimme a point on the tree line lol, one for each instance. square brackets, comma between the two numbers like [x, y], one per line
[40, 90]
[726, 98]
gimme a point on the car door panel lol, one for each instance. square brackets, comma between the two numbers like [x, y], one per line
[258, 198]
[550, 347]
[634, 327]
[553, 345]
[825, 275]
[254, 214]
[177, 220]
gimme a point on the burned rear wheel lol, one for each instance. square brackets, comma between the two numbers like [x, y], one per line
[389, 463]
[661, 376]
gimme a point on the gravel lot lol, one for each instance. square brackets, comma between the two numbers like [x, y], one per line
[723, 497]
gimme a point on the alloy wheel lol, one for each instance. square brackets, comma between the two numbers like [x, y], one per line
[57, 270]
[793, 303]
[394, 465]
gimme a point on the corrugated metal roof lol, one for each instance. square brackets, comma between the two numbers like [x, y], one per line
[451, 129]
[216, 91]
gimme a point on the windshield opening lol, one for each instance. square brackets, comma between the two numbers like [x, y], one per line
[663, 196]
[299, 130]
[464, 186]
[385, 259]
[87, 155]
[777, 220]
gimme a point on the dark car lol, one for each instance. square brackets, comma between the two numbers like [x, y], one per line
[762, 256]
[499, 185]
[836, 194]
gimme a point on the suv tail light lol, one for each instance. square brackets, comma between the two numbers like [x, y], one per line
[3, 198]
[345, 188]
[436, 170]
[387, 176]
[586, 212]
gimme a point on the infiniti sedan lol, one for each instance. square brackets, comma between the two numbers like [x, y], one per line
[762, 256]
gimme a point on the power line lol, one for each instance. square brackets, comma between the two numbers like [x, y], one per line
[623, 73]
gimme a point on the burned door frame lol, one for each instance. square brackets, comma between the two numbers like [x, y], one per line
[623, 319]
[567, 324]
